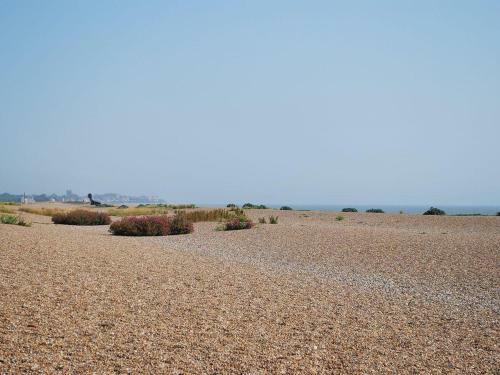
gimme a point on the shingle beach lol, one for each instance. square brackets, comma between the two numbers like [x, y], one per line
[373, 293]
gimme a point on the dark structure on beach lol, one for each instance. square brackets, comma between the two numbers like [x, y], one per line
[93, 202]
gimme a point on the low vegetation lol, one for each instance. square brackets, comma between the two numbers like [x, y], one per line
[138, 211]
[286, 208]
[42, 211]
[14, 220]
[82, 217]
[10, 203]
[262, 220]
[6, 210]
[434, 211]
[217, 214]
[254, 206]
[349, 209]
[375, 211]
[340, 217]
[236, 223]
[273, 219]
[162, 225]
[169, 206]
[498, 213]
[231, 205]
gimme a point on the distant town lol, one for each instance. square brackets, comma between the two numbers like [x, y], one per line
[72, 197]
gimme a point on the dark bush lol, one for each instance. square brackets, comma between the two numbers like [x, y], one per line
[82, 217]
[231, 205]
[123, 206]
[286, 208]
[375, 210]
[349, 209]
[256, 206]
[434, 211]
[498, 213]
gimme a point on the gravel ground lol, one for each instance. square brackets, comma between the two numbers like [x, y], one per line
[370, 294]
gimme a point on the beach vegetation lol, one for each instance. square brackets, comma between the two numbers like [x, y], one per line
[236, 223]
[231, 205]
[14, 220]
[44, 211]
[286, 208]
[349, 209]
[375, 211]
[434, 211]
[273, 219]
[339, 218]
[254, 206]
[82, 217]
[262, 220]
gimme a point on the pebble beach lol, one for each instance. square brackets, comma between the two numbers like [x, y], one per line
[372, 293]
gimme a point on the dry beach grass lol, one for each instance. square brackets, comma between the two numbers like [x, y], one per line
[371, 293]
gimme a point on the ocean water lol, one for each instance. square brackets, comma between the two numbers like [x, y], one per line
[407, 209]
[450, 210]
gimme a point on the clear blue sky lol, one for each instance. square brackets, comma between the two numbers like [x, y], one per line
[389, 102]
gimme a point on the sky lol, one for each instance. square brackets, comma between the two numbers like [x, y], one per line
[293, 102]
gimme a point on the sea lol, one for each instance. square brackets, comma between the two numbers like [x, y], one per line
[407, 209]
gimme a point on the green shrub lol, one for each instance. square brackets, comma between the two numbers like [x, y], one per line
[273, 219]
[262, 220]
[122, 207]
[339, 218]
[254, 206]
[286, 208]
[231, 205]
[9, 219]
[14, 220]
[82, 217]
[375, 211]
[349, 209]
[434, 211]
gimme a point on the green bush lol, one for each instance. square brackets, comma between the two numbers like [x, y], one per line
[231, 205]
[434, 211]
[82, 217]
[349, 209]
[255, 206]
[262, 220]
[273, 219]
[14, 220]
[286, 208]
[339, 218]
[375, 211]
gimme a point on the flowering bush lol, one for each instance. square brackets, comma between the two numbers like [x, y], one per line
[237, 223]
[151, 226]
[82, 217]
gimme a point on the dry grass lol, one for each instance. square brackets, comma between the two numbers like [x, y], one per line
[6, 210]
[44, 211]
[138, 211]
[218, 214]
